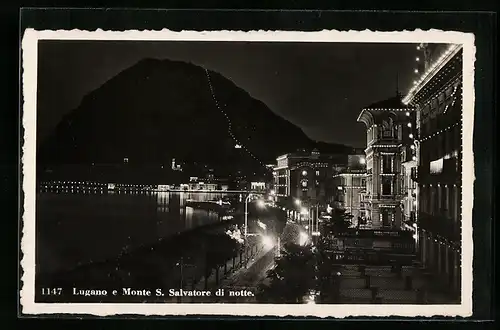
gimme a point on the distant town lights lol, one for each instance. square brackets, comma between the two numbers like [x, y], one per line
[407, 114]
[409, 124]
[416, 70]
[417, 59]
[411, 136]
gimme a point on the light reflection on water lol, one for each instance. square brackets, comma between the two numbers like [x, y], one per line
[76, 229]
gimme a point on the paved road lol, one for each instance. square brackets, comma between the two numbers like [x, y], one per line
[255, 273]
[249, 280]
[243, 279]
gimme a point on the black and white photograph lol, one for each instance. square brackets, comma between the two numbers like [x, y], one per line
[248, 173]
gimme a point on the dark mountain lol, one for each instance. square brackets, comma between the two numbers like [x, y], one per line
[158, 110]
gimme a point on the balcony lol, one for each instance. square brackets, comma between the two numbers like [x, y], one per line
[440, 225]
[385, 197]
[414, 174]
[406, 154]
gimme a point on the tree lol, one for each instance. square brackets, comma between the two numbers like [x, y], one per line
[220, 249]
[339, 222]
[328, 284]
[292, 277]
[328, 278]
[287, 202]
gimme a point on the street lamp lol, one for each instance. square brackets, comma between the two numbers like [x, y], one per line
[268, 242]
[311, 298]
[259, 203]
[417, 144]
[261, 225]
[303, 237]
[246, 218]
[303, 212]
[279, 247]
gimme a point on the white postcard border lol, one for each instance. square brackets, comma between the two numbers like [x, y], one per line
[29, 85]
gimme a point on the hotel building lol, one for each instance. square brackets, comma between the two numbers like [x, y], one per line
[388, 137]
[307, 176]
[437, 96]
[350, 182]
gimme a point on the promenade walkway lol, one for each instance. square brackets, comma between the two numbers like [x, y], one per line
[379, 284]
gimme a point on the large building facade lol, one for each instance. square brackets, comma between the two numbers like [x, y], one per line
[389, 130]
[437, 97]
[350, 182]
[306, 176]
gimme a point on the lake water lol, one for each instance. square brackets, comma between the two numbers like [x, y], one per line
[75, 229]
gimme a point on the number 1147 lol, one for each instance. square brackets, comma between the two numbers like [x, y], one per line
[51, 291]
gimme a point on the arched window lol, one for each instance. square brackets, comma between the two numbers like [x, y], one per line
[387, 128]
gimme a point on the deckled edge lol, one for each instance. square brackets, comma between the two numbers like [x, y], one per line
[29, 81]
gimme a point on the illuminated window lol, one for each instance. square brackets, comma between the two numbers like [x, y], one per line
[304, 183]
[304, 173]
[436, 166]
[317, 173]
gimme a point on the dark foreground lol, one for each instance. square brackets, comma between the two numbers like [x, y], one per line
[199, 259]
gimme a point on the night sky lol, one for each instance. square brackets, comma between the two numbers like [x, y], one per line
[320, 87]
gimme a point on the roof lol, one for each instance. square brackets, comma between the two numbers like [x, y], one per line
[452, 51]
[395, 102]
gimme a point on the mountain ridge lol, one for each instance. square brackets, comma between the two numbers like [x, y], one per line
[174, 101]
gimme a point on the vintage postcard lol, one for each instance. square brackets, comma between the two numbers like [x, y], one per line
[263, 173]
